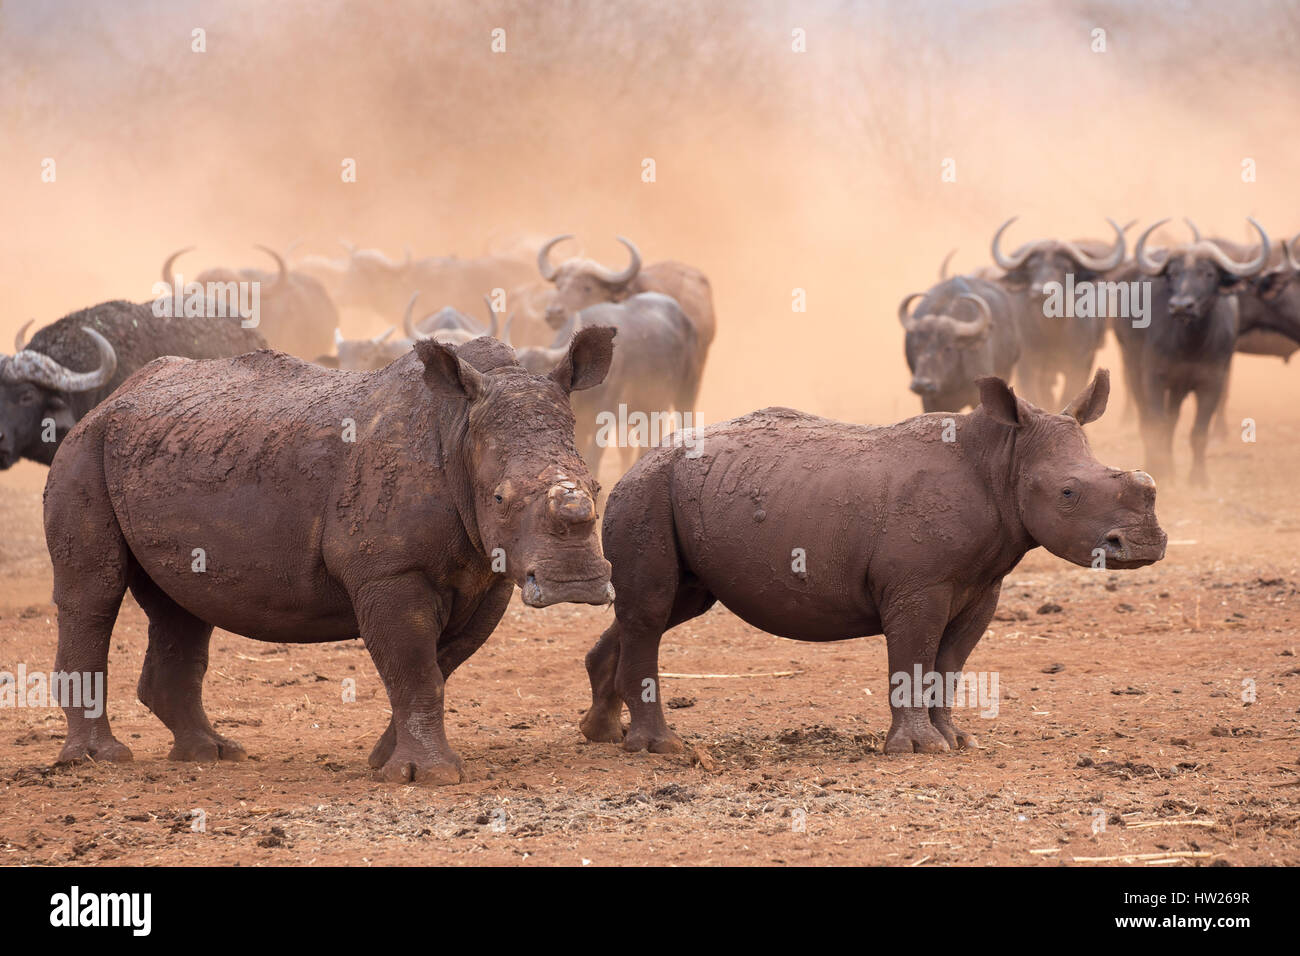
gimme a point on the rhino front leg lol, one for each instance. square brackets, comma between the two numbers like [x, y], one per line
[914, 626]
[959, 639]
[401, 619]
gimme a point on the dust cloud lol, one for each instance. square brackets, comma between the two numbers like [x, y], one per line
[775, 170]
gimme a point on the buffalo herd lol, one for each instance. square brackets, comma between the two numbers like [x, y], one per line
[233, 460]
[1178, 315]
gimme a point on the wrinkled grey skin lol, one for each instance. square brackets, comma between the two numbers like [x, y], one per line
[655, 367]
[459, 482]
[897, 531]
[950, 343]
[1188, 347]
[1053, 348]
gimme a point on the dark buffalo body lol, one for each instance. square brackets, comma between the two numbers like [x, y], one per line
[33, 391]
[962, 330]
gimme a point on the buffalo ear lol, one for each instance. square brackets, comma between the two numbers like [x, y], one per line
[999, 401]
[1091, 402]
[444, 368]
[587, 361]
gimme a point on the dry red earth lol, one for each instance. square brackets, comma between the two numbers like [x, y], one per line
[1123, 706]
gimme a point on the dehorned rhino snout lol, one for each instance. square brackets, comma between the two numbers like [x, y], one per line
[570, 503]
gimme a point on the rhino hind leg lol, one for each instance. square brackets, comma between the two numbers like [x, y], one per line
[171, 681]
[91, 563]
[603, 722]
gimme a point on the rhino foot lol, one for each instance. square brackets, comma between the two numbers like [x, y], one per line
[108, 749]
[602, 726]
[915, 737]
[406, 769]
[657, 742]
[957, 738]
[206, 747]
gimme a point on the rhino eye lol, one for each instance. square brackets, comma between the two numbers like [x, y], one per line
[498, 498]
[1069, 493]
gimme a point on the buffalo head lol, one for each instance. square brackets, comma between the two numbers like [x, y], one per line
[34, 389]
[949, 345]
[1196, 273]
[1034, 266]
[582, 282]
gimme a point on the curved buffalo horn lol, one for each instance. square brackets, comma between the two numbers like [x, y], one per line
[1149, 266]
[1291, 258]
[40, 369]
[492, 316]
[907, 321]
[943, 268]
[506, 331]
[1103, 263]
[283, 278]
[338, 337]
[1196, 233]
[382, 336]
[1005, 263]
[20, 340]
[628, 274]
[167, 275]
[544, 266]
[408, 323]
[980, 325]
[1130, 224]
[1241, 269]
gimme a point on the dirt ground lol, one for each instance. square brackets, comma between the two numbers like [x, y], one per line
[1122, 735]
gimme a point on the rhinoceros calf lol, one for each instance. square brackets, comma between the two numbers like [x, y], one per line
[286, 502]
[819, 530]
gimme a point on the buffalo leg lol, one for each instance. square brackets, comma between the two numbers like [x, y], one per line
[401, 619]
[171, 682]
[959, 639]
[1208, 401]
[453, 650]
[914, 627]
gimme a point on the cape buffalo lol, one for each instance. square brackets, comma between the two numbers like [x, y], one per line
[297, 314]
[819, 530]
[1052, 346]
[230, 494]
[962, 330]
[580, 283]
[654, 373]
[1188, 346]
[72, 365]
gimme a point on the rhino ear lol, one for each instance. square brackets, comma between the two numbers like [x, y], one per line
[999, 401]
[587, 361]
[1091, 402]
[444, 368]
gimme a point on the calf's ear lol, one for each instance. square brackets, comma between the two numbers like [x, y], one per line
[1091, 402]
[587, 361]
[999, 401]
[443, 368]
